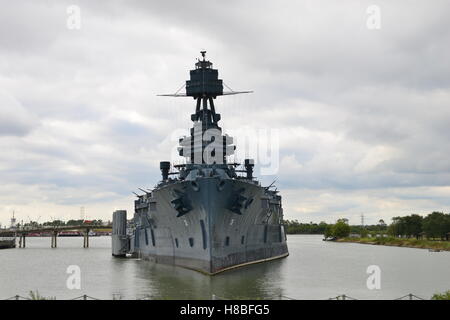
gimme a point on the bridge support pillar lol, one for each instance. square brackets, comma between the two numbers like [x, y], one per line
[86, 239]
[22, 241]
[54, 239]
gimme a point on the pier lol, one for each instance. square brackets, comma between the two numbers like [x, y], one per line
[54, 231]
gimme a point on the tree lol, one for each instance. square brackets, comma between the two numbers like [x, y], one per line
[436, 225]
[413, 225]
[397, 227]
[341, 229]
[322, 227]
[75, 222]
[363, 233]
[328, 231]
[295, 227]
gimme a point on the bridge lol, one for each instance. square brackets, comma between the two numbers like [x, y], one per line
[54, 231]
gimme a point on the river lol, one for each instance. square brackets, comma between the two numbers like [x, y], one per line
[314, 270]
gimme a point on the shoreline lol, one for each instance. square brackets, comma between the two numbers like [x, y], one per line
[398, 242]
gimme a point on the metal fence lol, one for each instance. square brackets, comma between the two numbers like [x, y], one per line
[118, 296]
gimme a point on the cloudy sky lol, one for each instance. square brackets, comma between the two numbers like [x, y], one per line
[362, 114]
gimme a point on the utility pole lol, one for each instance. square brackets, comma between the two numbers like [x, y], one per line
[362, 233]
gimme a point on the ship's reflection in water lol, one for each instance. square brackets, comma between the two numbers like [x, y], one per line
[258, 281]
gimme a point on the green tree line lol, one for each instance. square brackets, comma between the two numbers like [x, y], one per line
[35, 224]
[295, 227]
[435, 225]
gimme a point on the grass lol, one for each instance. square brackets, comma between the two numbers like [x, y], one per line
[441, 296]
[37, 296]
[402, 242]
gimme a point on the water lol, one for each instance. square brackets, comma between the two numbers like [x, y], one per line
[314, 270]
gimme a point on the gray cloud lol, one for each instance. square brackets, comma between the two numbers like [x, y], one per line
[362, 114]
[15, 120]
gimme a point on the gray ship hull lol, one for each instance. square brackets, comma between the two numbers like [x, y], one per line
[210, 237]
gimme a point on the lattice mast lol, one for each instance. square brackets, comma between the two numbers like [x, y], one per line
[204, 86]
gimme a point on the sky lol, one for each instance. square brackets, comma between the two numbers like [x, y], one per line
[353, 101]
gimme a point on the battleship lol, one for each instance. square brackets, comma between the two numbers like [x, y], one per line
[207, 214]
